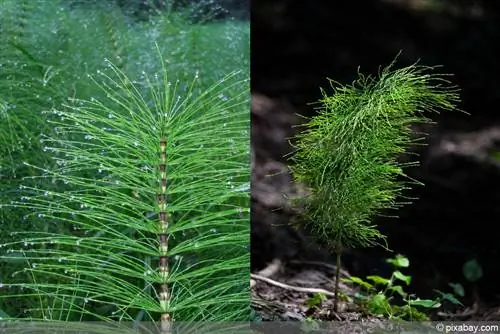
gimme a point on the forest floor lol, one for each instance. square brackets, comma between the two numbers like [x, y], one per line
[286, 293]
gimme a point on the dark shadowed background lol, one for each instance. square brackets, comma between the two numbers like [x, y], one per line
[297, 44]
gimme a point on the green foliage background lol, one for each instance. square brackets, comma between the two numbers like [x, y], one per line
[55, 69]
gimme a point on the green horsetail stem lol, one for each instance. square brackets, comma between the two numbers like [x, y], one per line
[164, 294]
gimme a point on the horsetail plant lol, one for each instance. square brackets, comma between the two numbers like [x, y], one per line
[152, 180]
[348, 153]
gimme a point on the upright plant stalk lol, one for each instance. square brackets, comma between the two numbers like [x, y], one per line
[163, 228]
[338, 254]
[348, 153]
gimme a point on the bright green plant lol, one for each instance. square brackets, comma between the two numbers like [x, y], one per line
[348, 154]
[48, 50]
[377, 295]
[151, 184]
[315, 302]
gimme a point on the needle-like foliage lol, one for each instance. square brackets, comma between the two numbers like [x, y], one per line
[348, 153]
[97, 209]
[153, 182]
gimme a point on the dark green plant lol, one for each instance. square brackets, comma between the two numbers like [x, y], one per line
[348, 154]
[154, 187]
[377, 295]
[472, 270]
[452, 297]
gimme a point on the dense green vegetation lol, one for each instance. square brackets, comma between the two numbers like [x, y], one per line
[90, 99]
[348, 155]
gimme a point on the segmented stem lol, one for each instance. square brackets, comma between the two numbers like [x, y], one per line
[164, 294]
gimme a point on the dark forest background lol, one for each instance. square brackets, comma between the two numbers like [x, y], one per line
[296, 45]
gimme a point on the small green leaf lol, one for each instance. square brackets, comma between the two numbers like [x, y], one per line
[400, 276]
[449, 297]
[378, 304]
[472, 270]
[378, 279]
[399, 290]
[316, 299]
[458, 289]
[427, 303]
[359, 281]
[399, 261]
